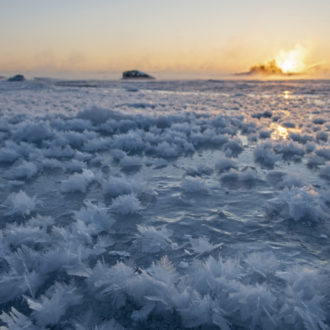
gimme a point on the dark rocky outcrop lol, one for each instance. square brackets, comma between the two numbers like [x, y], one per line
[136, 74]
[18, 77]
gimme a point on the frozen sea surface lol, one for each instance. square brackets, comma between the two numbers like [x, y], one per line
[165, 205]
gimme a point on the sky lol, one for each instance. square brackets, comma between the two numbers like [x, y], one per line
[179, 38]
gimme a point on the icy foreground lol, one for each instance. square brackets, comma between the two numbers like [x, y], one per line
[164, 205]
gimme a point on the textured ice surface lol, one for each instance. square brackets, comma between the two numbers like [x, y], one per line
[164, 205]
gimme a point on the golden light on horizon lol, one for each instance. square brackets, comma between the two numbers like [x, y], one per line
[291, 61]
[285, 63]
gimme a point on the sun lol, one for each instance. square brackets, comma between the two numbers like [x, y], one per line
[291, 61]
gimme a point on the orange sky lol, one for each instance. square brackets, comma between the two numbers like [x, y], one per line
[183, 37]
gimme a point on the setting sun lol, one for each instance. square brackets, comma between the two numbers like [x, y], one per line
[291, 61]
[286, 63]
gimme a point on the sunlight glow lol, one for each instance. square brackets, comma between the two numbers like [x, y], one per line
[291, 61]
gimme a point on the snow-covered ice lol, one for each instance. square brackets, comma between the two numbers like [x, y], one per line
[165, 205]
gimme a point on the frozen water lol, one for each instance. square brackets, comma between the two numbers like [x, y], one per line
[165, 205]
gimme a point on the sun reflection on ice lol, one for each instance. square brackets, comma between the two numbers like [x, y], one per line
[287, 94]
[279, 132]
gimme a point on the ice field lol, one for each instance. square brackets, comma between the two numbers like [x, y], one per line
[164, 205]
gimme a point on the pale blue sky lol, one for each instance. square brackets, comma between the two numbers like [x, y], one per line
[176, 36]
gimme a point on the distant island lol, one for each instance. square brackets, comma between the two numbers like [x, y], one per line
[136, 74]
[18, 77]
